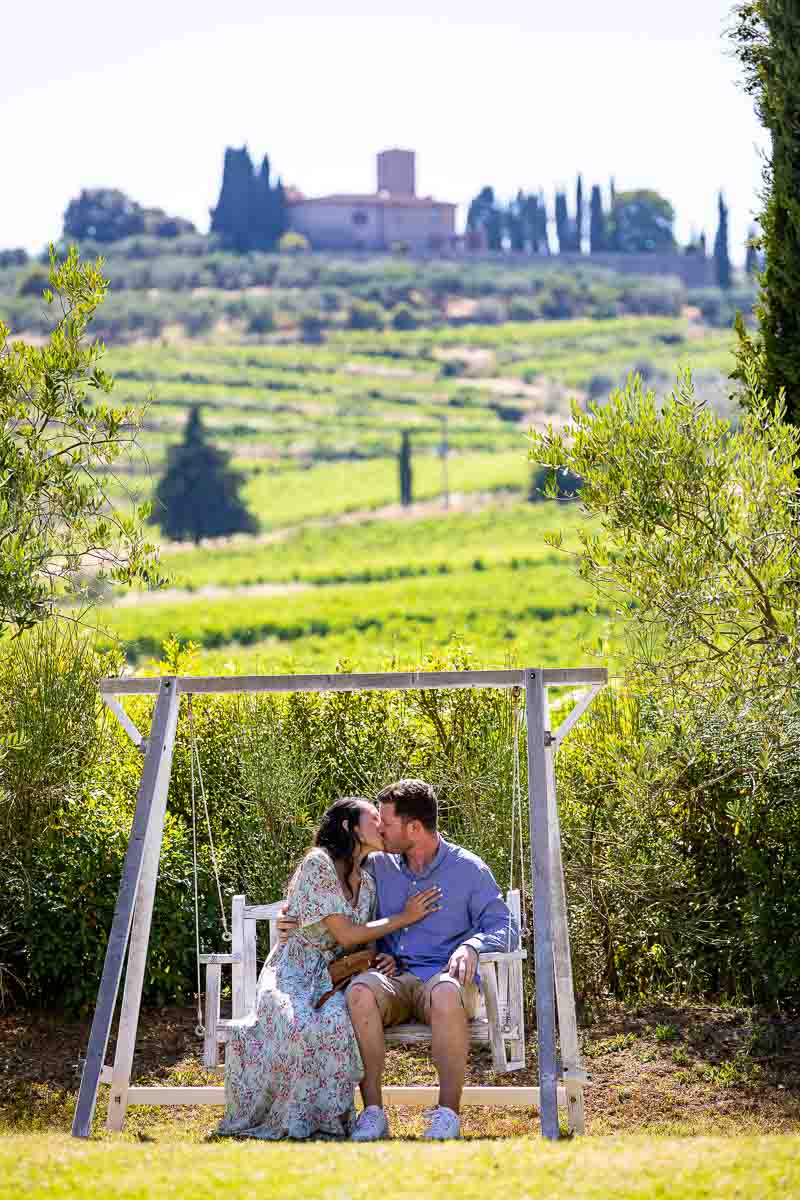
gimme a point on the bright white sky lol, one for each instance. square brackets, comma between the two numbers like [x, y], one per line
[524, 93]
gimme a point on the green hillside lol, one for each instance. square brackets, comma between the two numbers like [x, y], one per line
[309, 369]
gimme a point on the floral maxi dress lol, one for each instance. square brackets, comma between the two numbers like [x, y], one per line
[291, 1070]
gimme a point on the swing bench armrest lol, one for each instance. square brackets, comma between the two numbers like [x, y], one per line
[503, 956]
[221, 960]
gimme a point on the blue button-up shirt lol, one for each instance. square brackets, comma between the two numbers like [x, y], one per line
[472, 911]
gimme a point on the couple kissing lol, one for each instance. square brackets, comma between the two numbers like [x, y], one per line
[379, 879]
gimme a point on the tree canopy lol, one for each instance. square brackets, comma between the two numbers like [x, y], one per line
[698, 545]
[641, 221]
[59, 440]
[250, 213]
[198, 495]
[107, 215]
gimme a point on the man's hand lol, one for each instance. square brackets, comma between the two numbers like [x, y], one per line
[286, 926]
[463, 964]
[386, 964]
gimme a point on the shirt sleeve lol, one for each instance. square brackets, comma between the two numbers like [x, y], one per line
[495, 928]
[318, 892]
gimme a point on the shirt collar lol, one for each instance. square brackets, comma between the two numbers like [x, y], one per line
[441, 853]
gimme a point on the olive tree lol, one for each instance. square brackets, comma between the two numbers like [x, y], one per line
[59, 441]
[696, 541]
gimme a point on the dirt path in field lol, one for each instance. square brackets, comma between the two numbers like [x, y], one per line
[210, 592]
[460, 502]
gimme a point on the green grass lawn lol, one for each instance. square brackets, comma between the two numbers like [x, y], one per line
[764, 1168]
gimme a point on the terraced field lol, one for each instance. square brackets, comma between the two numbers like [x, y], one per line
[375, 593]
[313, 416]
[316, 428]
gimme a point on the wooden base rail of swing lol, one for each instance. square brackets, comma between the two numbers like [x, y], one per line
[407, 1097]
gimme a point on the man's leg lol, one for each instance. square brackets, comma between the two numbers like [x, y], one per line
[449, 1041]
[368, 1027]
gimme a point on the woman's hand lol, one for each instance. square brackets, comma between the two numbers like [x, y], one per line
[420, 905]
[386, 964]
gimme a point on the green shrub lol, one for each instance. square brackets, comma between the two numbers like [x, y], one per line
[261, 319]
[69, 904]
[404, 317]
[366, 315]
[520, 308]
[312, 327]
[293, 243]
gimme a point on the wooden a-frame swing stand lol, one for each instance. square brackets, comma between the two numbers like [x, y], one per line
[561, 1078]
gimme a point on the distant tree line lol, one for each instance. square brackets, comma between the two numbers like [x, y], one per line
[634, 222]
[251, 213]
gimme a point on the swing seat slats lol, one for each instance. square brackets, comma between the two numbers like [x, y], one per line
[499, 1022]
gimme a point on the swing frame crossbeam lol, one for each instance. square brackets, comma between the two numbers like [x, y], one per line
[559, 1081]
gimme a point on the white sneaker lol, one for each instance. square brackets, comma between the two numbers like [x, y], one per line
[371, 1126]
[444, 1124]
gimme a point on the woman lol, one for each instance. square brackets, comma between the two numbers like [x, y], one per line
[291, 1069]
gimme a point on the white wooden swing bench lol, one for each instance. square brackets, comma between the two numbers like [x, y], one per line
[561, 1079]
[499, 1021]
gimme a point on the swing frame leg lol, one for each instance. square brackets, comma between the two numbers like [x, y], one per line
[137, 889]
[562, 959]
[541, 865]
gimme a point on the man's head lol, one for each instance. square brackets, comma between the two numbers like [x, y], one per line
[408, 814]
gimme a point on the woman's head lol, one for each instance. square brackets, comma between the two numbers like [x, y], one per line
[349, 828]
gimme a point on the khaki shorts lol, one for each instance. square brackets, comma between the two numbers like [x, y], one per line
[404, 997]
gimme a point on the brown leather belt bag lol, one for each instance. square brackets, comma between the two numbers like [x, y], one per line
[342, 970]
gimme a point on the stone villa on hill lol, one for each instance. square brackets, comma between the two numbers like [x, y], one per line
[392, 215]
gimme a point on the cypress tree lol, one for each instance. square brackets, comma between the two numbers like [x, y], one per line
[611, 230]
[597, 223]
[722, 262]
[767, 39]
[251, 214]
[198, 495]
[562, 223]
[530, 216]
[233, 215]
[515, 222]
[260, 208]
[542, 235]
[404, 463]
[578, 247]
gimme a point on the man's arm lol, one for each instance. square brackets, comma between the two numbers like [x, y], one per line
[490, 917]
[492, 922]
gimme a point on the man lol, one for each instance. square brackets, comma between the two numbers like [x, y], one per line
[435, 977]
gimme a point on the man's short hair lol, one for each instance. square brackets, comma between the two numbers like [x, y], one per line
[413, 800]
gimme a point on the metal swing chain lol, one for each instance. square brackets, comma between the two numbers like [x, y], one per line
[197, 769]
[199, 1028]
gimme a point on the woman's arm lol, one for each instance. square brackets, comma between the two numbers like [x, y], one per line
[348, 934]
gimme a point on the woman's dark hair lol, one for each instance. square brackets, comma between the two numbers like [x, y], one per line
[337, 832]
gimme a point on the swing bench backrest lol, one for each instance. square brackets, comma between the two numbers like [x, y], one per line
[499, 1020]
